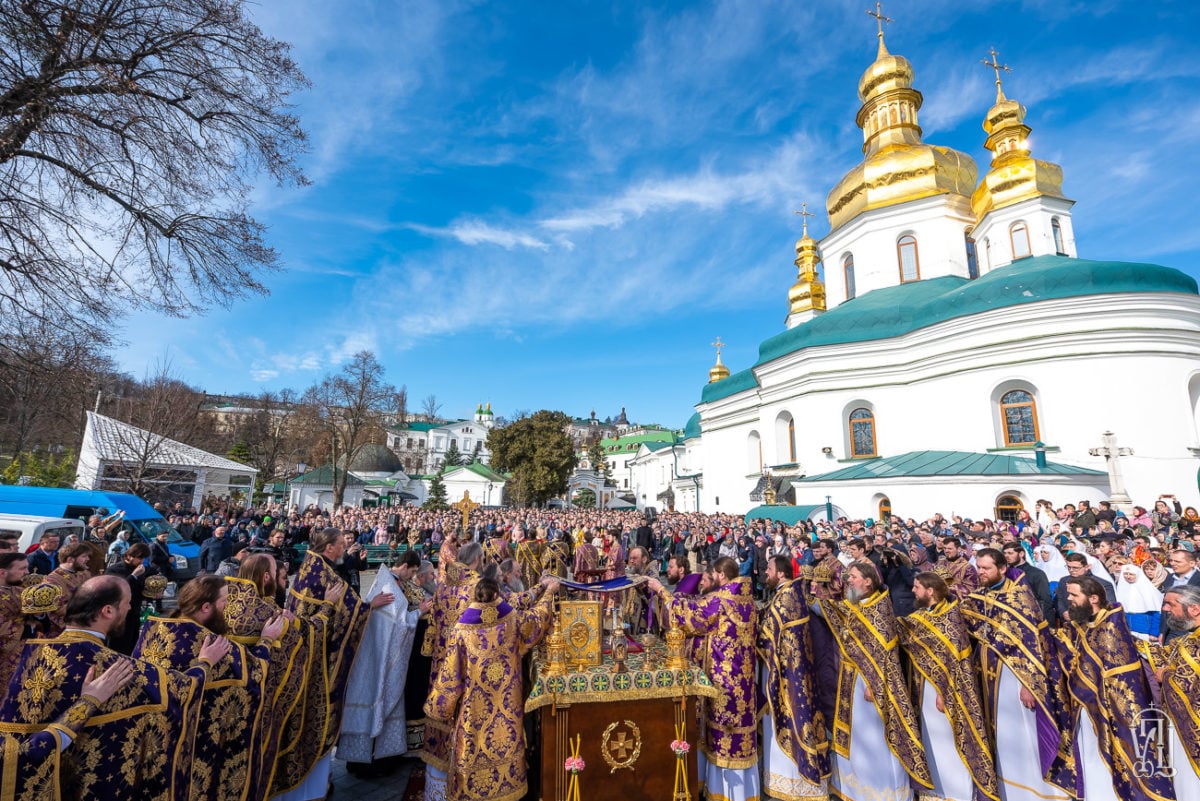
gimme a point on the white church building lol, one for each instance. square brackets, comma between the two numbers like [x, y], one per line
[947, 361]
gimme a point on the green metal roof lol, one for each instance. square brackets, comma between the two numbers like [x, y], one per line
[692, 429]
[949, 463]
[791, 515]
[656, 446]
[899, 310]
[323, 477]
[632, 442]
[418, 427]
[479, 470]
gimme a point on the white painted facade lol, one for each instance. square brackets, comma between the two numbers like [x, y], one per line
[994, 236]
[423, 447]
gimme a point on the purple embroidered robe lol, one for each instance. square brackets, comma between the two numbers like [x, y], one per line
[728, 620]
[1180, 689]
[1006, 623]
[477, 692]
[1104, 674]
[785, 651]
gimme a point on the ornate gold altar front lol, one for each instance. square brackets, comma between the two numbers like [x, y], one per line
[625, 720]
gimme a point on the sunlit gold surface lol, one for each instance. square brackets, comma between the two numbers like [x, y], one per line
[1014, 175]
[808, 293]
[898, 167]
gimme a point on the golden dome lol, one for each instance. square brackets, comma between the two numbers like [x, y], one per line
[1014, 175]
[808, 293]
[898, 167]
[718, 371]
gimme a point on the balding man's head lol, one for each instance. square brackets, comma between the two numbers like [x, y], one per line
[100, 604]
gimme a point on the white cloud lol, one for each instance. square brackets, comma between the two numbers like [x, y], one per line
[478, 232]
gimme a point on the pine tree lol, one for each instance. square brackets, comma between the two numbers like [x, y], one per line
[437, 494]
[453, 455]
[477, 453]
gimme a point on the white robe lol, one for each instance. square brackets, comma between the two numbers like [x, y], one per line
[1187, 781]
[951, 779]
[1018, 763]
[1097, 778]
[373, 720]
[726, 784]
[871, 772]
[780, 777]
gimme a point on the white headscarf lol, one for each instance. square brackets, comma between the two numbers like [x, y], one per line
[1140, 596]
[1051, 561]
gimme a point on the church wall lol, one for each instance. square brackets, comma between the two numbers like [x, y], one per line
[993, 238]
[938, 223]
[1120, 363]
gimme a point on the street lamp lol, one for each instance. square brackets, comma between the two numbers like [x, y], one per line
[488, 500]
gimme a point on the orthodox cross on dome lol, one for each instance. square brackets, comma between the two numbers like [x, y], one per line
[804, 215]
[996, 66]
[879, 18]
[1112, 454]
[718, 345]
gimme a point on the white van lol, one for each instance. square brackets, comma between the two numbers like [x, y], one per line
[31, 529]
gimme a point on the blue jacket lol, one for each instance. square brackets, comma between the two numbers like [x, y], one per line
[214, 551]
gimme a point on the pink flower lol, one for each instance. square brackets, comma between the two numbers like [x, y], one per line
[680, 747]
[574, 764]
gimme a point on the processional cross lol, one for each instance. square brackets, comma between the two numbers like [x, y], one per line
[466, 506]
[1116, 482]
[996, 66]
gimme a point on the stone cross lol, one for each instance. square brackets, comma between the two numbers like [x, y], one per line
[1112, 455]
[466, 506]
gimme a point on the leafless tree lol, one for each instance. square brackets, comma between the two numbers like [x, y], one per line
[430, 408]
[269, 432]
[348, 409]
[130, 134]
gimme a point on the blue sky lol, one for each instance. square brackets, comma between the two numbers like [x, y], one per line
[561, 205]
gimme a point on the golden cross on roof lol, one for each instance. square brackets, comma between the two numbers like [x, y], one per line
[804, 215]
[718, 345]
[996, 66]
[879, 17]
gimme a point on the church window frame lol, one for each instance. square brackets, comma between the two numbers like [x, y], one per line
[1018, 237]
[848, 276]
[860, 424]
[972, 256]
[754, 455]
[885, 510]
[785, 438]
[1060, 247]
[908, 259]
[1019, 418]
[1009, 507]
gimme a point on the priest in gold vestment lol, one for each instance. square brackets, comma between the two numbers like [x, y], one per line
[1179, 677]
[477, 692]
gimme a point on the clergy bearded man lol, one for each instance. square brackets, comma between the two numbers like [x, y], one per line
[795, 752]
[1179, 677]
[374, 725]
[229, 739]
[1023, 691]
[726, 617]
[876, 735]
[477, 693]
[1104, 673]
[138, 745]
[947, 695]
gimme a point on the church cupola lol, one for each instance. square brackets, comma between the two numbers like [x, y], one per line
[719, 371]
[806, 298]
[1019, 205]
[898, 166]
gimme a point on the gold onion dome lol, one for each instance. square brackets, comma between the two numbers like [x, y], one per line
[808, 293]
[1014, 175]
[898, 167]
[718, 372]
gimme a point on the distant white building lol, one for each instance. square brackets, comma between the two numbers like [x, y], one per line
[114, 455]
[422, 446]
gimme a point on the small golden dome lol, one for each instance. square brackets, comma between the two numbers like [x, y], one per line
[718, 372]
[898, 166]
[808, 293]
[1014, 174]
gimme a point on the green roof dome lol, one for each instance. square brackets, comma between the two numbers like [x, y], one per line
[899, 310]
[692, 429]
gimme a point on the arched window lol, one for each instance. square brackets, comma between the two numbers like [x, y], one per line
[848, 270]
[862, 433]
[1056, 227]
[754, 462]
[972, 258]
[785, 439]
[910, 265]
[885, 510]
[1008, 507]
[1019, 233]
[1018, 412]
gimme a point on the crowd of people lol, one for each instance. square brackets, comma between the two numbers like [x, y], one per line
[1055, 656]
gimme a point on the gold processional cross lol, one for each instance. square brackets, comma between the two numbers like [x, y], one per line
[466, 506]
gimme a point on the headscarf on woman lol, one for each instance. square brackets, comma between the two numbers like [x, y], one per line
[1140, 600]
[1051, 562]
[1155, 571]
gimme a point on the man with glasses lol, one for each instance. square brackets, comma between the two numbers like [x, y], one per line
[1078, 567]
